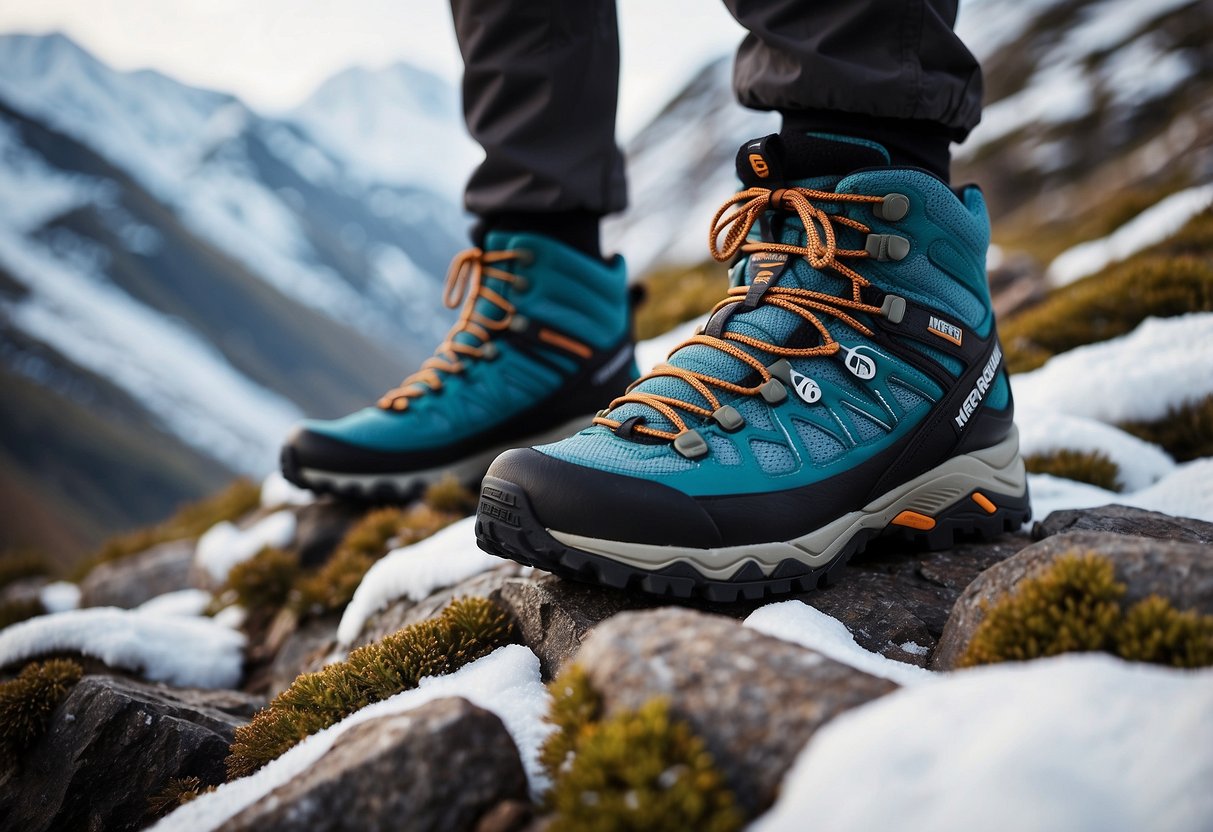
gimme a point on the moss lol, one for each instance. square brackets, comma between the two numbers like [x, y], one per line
[448, 495]
[19, 609]
[1106, 305]
[27, 702]
[1185, 432]
[191, 520]
[1075, 605]
[331, 587]
[676, 295]
[465, 631]
[18, 565]
[1092, 467]
[178, 791]
[1154, 631]
[576, 708]
[264, 581]
[638, 770]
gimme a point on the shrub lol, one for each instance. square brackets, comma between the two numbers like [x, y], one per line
[465, 631]
[640, 770]
[447, 495]
[676, 295]
[1185, 432]
[178, 791]
[1076, 604]
[1092, 467]
[27, 702]
[263, 582]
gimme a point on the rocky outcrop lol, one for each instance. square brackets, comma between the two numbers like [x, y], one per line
[320, 527]
[130, 581]
[1180, 572]
[1128, 521]
[754, 700]
[440, 767]
[111, 745]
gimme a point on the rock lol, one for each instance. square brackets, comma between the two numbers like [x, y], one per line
[129, 581]
[1180, 572]
[754, 700]
[555, 615]
[23, 591]
[439, 767]
[507, 816]
[304, 651]
[321, 525]
[112, 744]
[1125, 520]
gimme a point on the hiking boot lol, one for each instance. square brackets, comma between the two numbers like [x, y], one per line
[542, 340]
[850, 384]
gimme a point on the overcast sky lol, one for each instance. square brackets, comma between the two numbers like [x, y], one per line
[273, 52]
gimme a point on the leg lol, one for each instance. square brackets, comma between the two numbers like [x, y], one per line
[891, 71]
[540, 86]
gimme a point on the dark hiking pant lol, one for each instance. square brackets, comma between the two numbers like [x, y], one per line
[541, 85]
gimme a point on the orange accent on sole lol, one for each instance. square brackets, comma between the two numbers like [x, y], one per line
[914, 520]
[984, 501]
[558, 340]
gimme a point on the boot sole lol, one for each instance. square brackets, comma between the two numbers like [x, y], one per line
[408, 485]
[979, 495]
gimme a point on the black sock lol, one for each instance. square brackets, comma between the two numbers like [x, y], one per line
[910, 142]
[577, 229]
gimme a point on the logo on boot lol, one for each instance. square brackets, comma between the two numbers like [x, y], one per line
[759, 166]
[980, 389]
[945, 330]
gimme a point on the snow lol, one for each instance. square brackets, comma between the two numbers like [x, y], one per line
[506, 682]
[183, 602]
[1151, 226]
[809, 627]
[224, 545]
[45, 193]
[277, 491]
[188, 652]
[1162, 364]
[231, 617]
[59, 596]
[1186, 492]
[1075, 743]
[415, 571]
[1042, 430]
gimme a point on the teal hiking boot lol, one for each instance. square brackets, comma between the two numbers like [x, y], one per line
[543, 339]
[850, 384]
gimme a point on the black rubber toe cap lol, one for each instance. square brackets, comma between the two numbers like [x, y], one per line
[577, 500]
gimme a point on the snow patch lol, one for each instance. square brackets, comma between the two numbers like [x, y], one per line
[188, 652]
[1075, 743]
[59, 596]
[183, 602]
[1151, 226]
[278, 491]
[224, 545]
[1185, 492]
[414, 572]
[1043, 431]
[506, 682]
[809, 627]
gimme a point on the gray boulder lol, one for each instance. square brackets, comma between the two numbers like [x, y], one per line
[1125, 520]
[755, 700]
[439, 767]
[131, 580]
[114, 743]
[1180, 572]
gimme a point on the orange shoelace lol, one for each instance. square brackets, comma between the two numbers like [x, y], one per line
[464, 285]
[821, 252]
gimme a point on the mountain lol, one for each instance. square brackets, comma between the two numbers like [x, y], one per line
[181, 278]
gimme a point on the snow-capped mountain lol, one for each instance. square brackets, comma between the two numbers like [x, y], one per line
[176, 266]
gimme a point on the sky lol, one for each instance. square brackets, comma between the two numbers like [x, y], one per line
[272, 53]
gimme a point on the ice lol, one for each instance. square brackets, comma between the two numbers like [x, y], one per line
[1162, 364]
[506, 682]
[59, 596]
[184, 602]
[415, 571]
[1080, 743]
[223, 545]
[183, 651]
[277, 491]
[1042, 431]
[1151, 226]
[807, 626]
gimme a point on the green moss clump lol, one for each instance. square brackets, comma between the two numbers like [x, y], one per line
[191, 520]
[1106, 305]
[331, 587]
[675, 295]
[465, 631]
[27, 702]
[1076, 605]
[178, 791]
[637, 770]
[575, 711]
[18, 565]
[263, 582]
[18, 610]
[1092, 467]
[448, 495]
[1185, 432]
